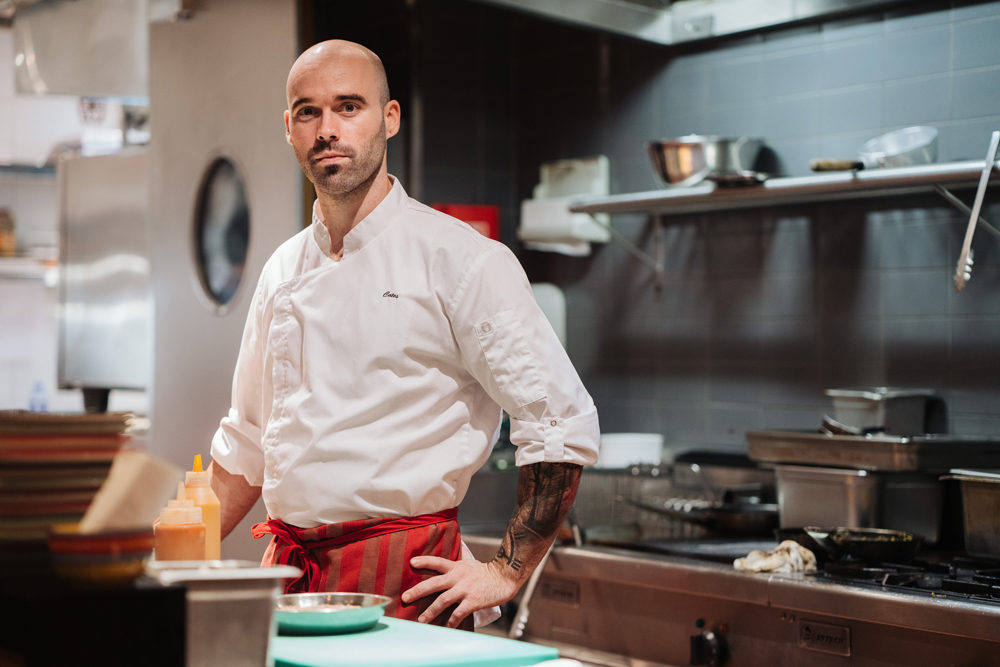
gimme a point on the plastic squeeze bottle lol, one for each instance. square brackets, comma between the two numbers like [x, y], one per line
[180, 533]
[198, 489]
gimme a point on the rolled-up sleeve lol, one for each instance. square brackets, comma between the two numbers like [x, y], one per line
[509, 346]
[237, 445]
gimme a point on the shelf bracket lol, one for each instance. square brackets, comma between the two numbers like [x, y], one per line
[960, 205]
[654, 262]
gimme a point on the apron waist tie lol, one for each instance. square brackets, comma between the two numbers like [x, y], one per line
[298, 551]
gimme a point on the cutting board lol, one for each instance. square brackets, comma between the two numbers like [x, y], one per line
[396, 643]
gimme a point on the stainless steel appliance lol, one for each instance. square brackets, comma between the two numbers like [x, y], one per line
[895, 411]
[229, 608]
[612, 607]
[815, 496]
[924, 453]
[105, 301]
[981, 507]
[872, 481]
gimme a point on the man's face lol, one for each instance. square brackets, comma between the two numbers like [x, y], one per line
[336, 123]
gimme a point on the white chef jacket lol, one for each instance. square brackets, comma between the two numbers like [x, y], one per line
[373, 386]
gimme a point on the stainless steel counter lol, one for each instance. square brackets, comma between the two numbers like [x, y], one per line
[648, 606]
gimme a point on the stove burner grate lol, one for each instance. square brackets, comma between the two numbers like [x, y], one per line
[973, 579]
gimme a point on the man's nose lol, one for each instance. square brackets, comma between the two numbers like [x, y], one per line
[328, 130]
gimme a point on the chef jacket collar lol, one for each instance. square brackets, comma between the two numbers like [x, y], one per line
[371, 226]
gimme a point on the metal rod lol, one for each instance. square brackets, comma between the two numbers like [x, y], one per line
[631, 247]
[520, 620]
[960, 205]
[660, 251]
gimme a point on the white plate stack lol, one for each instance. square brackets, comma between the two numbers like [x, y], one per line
[620, 450]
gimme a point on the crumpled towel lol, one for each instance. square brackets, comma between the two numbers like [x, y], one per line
[788, 557]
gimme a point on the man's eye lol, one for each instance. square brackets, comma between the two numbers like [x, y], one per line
[350, 108]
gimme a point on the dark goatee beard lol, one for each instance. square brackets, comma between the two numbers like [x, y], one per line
[339, 181]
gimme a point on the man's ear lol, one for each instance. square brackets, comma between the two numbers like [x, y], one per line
[392, 117]
[288, 127]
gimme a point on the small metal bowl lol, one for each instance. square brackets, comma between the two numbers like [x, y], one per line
[364, 613]
[685, 161]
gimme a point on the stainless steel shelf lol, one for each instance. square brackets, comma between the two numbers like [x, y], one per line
[795, 190]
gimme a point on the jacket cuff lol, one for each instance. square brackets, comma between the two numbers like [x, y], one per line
[238, 458]
[555, 440]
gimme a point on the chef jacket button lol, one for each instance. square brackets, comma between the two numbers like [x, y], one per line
[487, 327]
[552, 423]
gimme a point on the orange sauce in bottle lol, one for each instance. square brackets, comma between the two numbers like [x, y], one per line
[180, 532]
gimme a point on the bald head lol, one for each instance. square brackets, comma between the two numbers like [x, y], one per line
[337, 55]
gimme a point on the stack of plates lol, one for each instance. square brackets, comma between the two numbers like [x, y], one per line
[51, 465]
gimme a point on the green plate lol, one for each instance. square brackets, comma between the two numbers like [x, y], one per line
[302, 613]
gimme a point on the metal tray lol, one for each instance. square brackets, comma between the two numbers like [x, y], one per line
[363, 612]
[925, 453]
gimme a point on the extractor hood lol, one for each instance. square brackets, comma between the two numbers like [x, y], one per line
[665, 22]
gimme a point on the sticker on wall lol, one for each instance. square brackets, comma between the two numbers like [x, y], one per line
[222, 231]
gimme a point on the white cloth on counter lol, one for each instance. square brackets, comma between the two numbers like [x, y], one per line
[373, 386]
[789, 557]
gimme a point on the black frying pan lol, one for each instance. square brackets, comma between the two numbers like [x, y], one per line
[869, 545]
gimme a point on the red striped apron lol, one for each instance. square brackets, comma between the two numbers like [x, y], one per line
[366, 556]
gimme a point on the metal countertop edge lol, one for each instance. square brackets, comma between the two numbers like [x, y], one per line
[793, 592]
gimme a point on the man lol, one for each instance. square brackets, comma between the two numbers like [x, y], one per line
[381, 344]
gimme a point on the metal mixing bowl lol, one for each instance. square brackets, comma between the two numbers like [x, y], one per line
[907, 147]
[307, 619]
[688, 160]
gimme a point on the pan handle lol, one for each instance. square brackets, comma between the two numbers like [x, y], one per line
[835, 165]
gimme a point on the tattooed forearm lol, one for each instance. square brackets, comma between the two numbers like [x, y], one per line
[545, 494]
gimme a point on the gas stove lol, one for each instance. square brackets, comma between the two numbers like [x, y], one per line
[965, 578]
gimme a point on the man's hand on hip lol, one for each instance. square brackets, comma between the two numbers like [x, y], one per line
[545, 493]
[470, 584]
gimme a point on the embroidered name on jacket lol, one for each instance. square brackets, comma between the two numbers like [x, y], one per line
[391, 295]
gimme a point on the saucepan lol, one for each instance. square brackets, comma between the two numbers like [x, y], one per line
[908, 147]
[684, 161]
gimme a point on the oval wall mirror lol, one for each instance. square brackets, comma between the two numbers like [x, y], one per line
[222, 230]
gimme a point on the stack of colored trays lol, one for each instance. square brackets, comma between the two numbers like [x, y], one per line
[51, 465]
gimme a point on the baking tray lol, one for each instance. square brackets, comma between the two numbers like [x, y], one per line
[924, 453]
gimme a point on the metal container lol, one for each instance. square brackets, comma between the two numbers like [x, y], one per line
[230, 609]
[981, 507]
[691, 159]
[811, 496]
[898, 411]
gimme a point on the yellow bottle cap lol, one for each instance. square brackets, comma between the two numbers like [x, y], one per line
[196, 477]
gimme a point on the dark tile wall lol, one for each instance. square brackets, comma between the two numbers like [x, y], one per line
[761, 310]
[467, 90]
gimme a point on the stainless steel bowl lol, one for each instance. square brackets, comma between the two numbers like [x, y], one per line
[683, 161]
[908, 147]
[309, 619]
